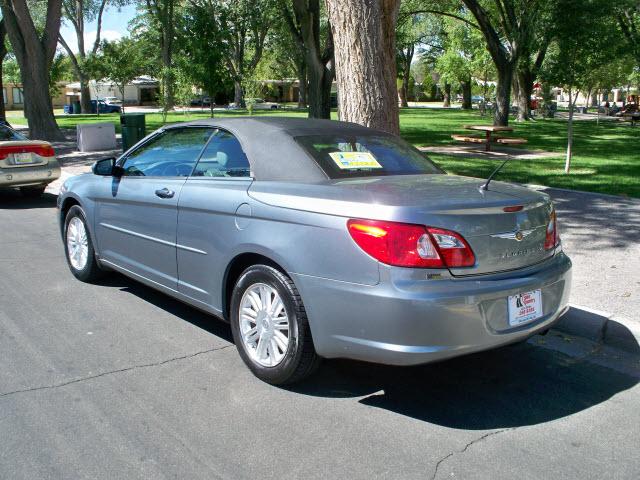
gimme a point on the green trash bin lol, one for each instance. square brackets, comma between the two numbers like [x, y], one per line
[133, 129]
[76, 108]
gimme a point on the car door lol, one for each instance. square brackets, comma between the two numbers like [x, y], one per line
[211, 211]
[136, 216]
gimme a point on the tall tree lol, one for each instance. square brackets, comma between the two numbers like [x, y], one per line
[3, 54]
[200, 47]
[162, 14]
[507, 26]
[528, 68]
[244, 25]
[463, 49]
[364, 35]
[628, 13]
[305, 25]
[584, 41]
[414, 32]
[34, 51]
[120, 61]
[78, 12]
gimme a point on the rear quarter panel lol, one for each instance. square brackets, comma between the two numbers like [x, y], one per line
[218, 220]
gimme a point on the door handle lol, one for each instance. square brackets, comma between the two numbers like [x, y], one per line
[165, 193]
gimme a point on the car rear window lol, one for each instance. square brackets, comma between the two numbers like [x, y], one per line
[346, 156]
[8, 134]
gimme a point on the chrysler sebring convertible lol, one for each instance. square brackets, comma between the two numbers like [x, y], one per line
[320, 239]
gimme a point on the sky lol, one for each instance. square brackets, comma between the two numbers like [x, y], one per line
[114, 25]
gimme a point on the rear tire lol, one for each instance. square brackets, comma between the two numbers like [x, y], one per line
[78, 247]
[266, 307]
[32, 192]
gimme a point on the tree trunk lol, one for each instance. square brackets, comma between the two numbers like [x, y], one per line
[567, 164]
[85, 95]
[503, 94]
[319, 96]
[34, 56]
[587, 100]
[302, 82]
[446, 102]
[524, 85]
[406, 75]
[365, 55]
[38, 105]
[3, 54]
[319, 64]
[237, 93]
[466, 94]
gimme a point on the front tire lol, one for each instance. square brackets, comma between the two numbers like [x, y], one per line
[78, 247]
[270, 326]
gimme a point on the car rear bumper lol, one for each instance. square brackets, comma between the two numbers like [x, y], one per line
[30, 176]
[407, 321]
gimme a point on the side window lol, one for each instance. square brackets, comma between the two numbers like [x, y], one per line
[223, 157]
[171, 154]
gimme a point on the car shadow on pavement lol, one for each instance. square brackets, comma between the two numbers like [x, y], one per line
[509, 387]
[198, 318]
[14, 200]
[513, 386]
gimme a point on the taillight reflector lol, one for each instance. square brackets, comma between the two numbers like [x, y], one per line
[514, 208]
[552, 237]
[409, 245]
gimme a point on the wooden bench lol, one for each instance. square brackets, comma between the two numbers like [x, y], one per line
[631, 117]
[483, 139]
[469, 138]
[510, 140]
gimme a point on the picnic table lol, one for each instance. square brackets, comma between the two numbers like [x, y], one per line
[488, 137]
[632, 117]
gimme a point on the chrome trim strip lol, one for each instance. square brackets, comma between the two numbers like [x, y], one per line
[152, 239]
[136, 234]
[190, 249]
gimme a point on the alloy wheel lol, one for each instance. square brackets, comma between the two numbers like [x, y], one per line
[264, 325]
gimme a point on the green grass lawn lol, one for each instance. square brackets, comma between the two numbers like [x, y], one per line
[606, 156]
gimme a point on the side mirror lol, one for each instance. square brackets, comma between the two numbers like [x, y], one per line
[106, 167]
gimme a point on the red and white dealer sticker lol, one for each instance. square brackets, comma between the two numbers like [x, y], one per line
[525, 307]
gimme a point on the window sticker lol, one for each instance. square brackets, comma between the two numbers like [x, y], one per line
[354, 160]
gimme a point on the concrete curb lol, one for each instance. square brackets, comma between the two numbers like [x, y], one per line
[601, 327]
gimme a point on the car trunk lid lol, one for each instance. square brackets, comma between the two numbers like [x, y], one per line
[25, 153]
[450, 202]
[504, 225]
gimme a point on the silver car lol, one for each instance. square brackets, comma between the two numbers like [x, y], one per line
[29, 165]
[316, 239]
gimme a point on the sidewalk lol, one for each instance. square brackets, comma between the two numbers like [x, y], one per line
[601, 234]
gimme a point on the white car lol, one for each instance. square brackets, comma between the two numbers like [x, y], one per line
[258, 104]
[112, 101]
[29, 165]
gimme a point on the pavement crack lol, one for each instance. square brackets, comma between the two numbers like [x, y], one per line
[113, 372]
[466, 447]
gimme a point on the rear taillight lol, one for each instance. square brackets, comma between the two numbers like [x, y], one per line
[41, 150]
[552, 238]
[408, 245]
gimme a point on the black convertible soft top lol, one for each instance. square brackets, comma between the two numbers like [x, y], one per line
[270, 146]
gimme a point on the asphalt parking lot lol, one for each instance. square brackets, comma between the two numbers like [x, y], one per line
[117, 381]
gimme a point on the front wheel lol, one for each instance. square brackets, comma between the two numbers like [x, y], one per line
[270, 326]
[78, 247]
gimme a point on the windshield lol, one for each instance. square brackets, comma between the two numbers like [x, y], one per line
[346, 156]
